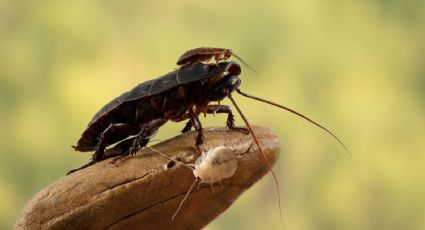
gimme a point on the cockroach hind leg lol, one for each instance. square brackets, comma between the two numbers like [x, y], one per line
[92, 162]
[78, 169]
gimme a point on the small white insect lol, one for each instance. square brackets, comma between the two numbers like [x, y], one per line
[213, 166]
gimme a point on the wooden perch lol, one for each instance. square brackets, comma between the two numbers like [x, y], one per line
[144, 191]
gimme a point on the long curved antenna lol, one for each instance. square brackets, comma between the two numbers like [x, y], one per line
[296, 113]
[243, 62]
[261, 151]
[185, 197]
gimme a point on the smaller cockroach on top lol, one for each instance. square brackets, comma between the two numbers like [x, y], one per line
[202, 54]
[213, 166]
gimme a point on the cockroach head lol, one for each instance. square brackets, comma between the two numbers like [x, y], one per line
[227, 54]
[226, 82]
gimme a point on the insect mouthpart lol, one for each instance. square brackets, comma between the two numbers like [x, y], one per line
[224, 87]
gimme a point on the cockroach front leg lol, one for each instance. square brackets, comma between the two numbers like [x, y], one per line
[230, 123]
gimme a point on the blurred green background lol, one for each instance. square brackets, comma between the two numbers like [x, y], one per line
[355, 66]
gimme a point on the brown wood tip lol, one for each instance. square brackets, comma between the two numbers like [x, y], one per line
[142, 192]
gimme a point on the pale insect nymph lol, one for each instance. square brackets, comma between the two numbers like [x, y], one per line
[213, 166]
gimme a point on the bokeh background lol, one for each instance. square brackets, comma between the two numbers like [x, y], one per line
[355, 66]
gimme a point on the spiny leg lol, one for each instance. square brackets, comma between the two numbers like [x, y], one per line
[230, 123]
[198, 127]
[139, 141]
[103, 141]
[119, 148]
[213, 109]
[187, 127]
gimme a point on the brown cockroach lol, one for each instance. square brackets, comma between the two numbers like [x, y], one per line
[202, 54]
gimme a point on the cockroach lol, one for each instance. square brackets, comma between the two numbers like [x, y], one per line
[206, 54]
[132, 119]
[211, 167]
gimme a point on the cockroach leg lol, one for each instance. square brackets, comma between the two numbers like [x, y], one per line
[211, 109]
[230, 123]
[119, 148]
[106, 135]
[187, 127]
[141, 139]
[195, 121]
[139, 142]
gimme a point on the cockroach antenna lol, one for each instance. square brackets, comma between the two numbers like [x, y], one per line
[296, 113]
[261, 152]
